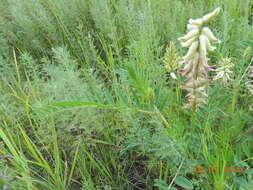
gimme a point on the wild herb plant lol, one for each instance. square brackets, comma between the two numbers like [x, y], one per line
[196, 67]
[86, 102]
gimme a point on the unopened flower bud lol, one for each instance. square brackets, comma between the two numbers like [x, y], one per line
[189, 42]
[191, 34]
[211, 15]
[209, 46]
[191, 51]
[192, 26]
[202, 41]
[196, 21]
[210, 35]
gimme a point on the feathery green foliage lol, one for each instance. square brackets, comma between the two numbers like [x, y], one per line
[86, 103]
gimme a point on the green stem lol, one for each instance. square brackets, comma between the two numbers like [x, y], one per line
[193, 118]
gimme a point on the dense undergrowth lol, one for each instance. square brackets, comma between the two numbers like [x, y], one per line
[86, 102]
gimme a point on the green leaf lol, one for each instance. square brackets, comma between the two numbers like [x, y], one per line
[183, 182]
[161, 184]
[246, 150]
[172, 188]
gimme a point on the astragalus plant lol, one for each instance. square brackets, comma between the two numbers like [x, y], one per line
[196, 67]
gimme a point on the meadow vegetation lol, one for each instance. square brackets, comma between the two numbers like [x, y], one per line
[87, 101]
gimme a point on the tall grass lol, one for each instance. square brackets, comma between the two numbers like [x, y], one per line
[86, 102]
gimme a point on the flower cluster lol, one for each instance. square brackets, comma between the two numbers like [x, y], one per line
[249, 83]
[172, 60]
[224, 70]
[196, 67]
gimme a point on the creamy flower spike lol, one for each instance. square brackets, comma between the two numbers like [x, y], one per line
[196, 67]
[224, 72]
